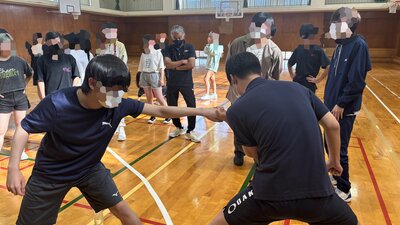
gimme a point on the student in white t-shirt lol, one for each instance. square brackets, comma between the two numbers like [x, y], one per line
[151, 67]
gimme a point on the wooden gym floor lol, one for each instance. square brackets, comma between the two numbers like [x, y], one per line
[195, 181]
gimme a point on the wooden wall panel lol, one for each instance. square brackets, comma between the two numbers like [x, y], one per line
[382, 30]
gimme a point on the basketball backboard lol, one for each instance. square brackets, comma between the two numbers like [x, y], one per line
[393, 5]
[72, 7]
[229, 9]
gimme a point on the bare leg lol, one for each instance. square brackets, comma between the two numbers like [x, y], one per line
[125, 214]
[213, 83]
[149, 94]
[4, 120]
[207, 82]
[219, 219]
[160, 98]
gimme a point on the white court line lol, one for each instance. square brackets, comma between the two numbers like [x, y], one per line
[387, 108]
[385, 87]
[137, 187]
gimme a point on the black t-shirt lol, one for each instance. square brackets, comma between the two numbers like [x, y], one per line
[308, 62]
[12, 74]
[180, 78]
[57, 74]
[281, 119]
[76, 138]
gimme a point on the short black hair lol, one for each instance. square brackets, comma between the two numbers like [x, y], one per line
[109, 70]
[148, 37]
[261, 17]
[307, 30]
[242, 65]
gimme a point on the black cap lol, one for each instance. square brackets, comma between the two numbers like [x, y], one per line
[52, 35]
[108, 25]
[3, 31]
[308, 29]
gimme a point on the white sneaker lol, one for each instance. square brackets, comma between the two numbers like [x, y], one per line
[205, 97]
[193, 137]
[121, 134]
[24, 156]
[176, 132]
[214, 96]
[333, 181]
[345, 196]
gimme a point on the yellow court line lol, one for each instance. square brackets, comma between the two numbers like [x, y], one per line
[137, 187]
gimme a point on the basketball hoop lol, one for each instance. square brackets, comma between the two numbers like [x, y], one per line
[393, 4]
[229, 9]
[75, 15]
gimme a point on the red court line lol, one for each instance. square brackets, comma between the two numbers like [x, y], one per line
[375, 183]
[287, 222]
[79, 205]
[151, 222]
[4, 168]
[5, 158]
[3, 187]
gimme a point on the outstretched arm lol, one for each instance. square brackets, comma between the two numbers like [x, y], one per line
[213, 114]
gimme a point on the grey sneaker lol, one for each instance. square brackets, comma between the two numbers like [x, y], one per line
[176, 132]
[343, 195]
[192, 136]
[333, 181]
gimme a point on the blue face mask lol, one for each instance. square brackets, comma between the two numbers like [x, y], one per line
[178, 43]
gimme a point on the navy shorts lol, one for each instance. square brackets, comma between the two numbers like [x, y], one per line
[42, 199]
[14, 101]
[243, 209]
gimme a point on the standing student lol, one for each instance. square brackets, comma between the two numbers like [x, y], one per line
[180, 59]
[291, 179]
[345, 85]
[151, 67]
[55, 69]
[15, 73]
[113, 46]
[79, 123]
[214, 53]
[258, 41]
[308, 58]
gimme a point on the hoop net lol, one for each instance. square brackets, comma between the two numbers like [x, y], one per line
[75, 15]
[393, 6]
[228, 13]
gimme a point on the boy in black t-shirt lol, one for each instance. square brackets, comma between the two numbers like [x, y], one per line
[291, 180]
[55, 70]
[309, 58]
[79, 123]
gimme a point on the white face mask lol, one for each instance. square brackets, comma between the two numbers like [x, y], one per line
[339, 31]
[113, 98]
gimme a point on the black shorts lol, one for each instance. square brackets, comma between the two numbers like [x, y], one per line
[243, 209]
[14, 101]
[42, 200]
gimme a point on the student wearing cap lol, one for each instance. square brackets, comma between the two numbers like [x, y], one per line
[308, 58]
[55, 69]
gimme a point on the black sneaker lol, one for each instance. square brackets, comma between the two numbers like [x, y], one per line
[238, 160]
[151, 120]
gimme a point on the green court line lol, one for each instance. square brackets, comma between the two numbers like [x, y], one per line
[29, 159]
[249, 176]
[116, 173]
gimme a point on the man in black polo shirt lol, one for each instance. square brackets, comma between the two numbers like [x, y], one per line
[291, 180]
[179, 59]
